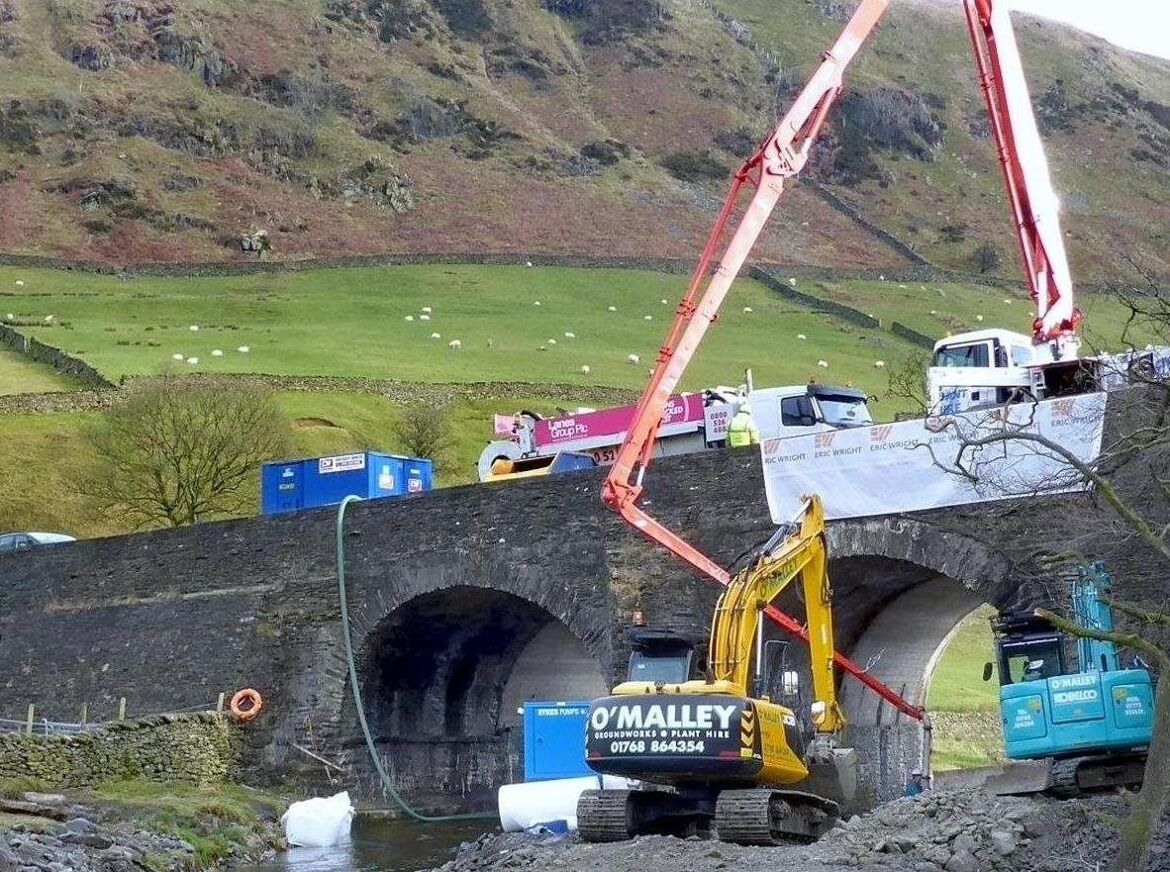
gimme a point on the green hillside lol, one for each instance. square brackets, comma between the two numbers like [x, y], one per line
[352, 323]
[142, 131]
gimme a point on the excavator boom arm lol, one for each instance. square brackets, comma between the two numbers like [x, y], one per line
[737, 614]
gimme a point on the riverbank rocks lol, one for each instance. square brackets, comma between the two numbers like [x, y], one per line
[117, 849]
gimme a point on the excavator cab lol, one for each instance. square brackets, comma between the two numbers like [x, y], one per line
[660, 656]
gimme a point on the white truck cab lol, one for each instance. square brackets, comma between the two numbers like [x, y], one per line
[985, 368]
[991, 367]
[801, 409]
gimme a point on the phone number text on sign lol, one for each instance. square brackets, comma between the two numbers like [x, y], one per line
[670, 746]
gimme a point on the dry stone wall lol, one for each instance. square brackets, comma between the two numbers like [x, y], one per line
[54, 357]
[200, 748]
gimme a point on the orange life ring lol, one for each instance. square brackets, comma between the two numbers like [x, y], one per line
[246, 704]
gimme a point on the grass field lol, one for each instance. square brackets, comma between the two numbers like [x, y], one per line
[965, 709]
[19, 375]
[352, 322]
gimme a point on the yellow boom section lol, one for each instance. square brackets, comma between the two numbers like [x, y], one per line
[737, 613]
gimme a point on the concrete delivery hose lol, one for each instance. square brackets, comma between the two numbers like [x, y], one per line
[347, 639]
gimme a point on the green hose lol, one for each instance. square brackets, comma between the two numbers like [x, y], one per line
[387, 784]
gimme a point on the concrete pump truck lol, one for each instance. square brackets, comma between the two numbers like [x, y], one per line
[721, 748]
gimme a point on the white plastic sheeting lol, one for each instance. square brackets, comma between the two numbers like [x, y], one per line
[319, 822]
[903, 467]
[533, 803]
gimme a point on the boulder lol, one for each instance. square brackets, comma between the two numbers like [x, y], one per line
[1004, 843]
[962, 861]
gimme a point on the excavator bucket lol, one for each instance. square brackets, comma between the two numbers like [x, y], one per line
[1019, 778]
[834, 775]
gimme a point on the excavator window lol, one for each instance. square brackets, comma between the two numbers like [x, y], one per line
[1030, 659]
[659, 667]
[780, 680]
[660, 656]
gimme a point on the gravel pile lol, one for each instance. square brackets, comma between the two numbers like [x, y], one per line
[940, 831]
[959, 831]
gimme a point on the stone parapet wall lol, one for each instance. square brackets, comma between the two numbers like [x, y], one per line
[200, 748]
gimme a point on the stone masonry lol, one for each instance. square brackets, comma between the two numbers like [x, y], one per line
[470, 596]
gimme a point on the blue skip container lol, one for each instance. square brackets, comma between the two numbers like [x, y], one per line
[291, 485]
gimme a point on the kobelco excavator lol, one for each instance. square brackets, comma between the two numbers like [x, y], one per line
[724, 744]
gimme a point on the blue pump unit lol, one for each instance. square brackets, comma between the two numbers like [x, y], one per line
[1051, 708]
[554, 740]
[291, 485]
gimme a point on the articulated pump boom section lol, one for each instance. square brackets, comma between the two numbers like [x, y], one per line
[781, 156]
[721, 741]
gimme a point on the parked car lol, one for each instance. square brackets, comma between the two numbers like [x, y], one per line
[25, 541]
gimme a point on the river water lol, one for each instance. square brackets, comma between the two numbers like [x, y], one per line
[383, 845]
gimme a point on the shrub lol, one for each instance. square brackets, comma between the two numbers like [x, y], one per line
[694, 166]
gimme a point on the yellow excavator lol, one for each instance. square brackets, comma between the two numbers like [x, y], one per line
[721, 749]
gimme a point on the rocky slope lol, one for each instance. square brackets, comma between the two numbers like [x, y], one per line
[135, 130]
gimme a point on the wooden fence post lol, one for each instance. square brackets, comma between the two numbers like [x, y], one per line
[122, 709]
[84, 713]
[219, 703]
[28, 725]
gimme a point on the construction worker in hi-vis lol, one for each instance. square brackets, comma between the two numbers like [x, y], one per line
[742, 431]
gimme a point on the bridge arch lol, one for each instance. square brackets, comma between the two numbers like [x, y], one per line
[909, 583]
[444, 663]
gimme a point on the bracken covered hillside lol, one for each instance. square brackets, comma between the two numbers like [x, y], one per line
[144, 130]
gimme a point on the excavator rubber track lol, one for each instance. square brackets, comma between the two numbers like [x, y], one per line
[606, 816]
[761, 816]
[1075, 776]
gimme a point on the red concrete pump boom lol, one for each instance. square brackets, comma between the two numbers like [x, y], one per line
[781, 156]
[1034, 205]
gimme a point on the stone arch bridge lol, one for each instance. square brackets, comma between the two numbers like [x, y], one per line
[467, 601]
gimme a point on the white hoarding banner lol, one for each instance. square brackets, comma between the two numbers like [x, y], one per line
[904, 467]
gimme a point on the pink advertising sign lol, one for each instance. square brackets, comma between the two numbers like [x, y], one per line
[613, 422]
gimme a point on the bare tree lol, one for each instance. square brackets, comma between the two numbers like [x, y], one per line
[907, 381]
[173, 453]
[1140, 455]
[424, 430]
